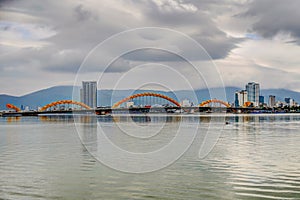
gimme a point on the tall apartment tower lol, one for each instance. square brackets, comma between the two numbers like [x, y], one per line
[88, 93]
[241, 97]
[272, 101]
[253, 91]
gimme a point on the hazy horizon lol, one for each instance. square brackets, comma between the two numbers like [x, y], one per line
[46, 88]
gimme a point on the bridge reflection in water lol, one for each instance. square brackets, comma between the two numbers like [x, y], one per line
[139, 118]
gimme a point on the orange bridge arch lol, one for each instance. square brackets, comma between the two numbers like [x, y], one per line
[214, 101]
[144, 95]
[64, 102]
[11, 106]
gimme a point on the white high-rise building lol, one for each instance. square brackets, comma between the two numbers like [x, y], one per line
[241, 97]
[253, 91]
[88, 93]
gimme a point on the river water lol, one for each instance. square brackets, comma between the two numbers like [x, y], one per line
[255, 157]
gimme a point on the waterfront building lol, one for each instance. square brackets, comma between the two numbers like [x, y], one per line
[185, 103]
[261, 100]
[236, 99]
[272, 101]
[241, 97]
[290, 102]
[279, 104]
[129, 104]
[253, 90]
[88, 93]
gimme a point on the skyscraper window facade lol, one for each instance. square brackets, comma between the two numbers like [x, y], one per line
[88, 93]
[253, 90]
[241, 97]
[272, 101]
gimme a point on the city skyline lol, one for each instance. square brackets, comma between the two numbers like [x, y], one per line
[250, 96]
[42, 49]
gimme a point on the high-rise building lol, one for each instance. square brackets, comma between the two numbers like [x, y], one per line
[88, 93]
[272, 101]
[253, 90]
[241, 97]
[236, 100]
[261, 100]
[289, 101]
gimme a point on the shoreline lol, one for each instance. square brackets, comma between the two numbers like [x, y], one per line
[152, 114]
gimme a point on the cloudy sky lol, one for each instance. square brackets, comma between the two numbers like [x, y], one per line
[44, 43]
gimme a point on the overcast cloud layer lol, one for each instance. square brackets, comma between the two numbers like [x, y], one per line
[43, 43]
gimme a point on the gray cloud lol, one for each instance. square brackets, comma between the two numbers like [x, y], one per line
[275, 17]
[82, 13]
[218, 46]
[47, 37]
[153, 55]
[196, 21]
[4, 2]
[79, 27]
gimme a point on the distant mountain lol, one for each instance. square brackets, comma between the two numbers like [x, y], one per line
[280, 94]
[108, 97]
[38, 98]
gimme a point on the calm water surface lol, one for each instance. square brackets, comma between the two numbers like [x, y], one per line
[256, 157]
